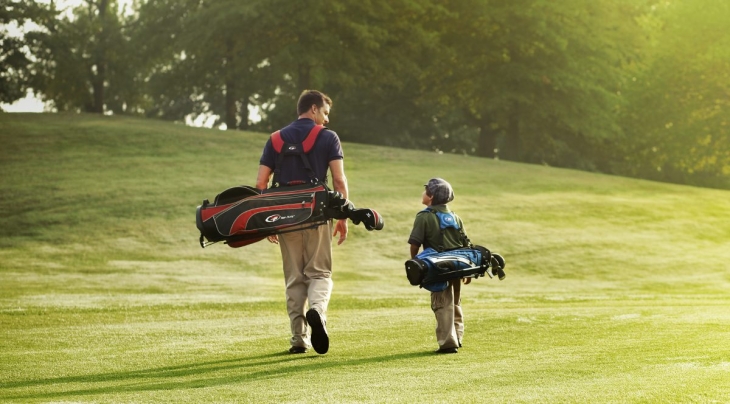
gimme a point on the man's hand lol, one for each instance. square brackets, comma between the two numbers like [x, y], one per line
[466, 281]
[273, 239]
[341, 227]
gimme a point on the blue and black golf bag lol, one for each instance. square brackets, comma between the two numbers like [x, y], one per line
[432, 270]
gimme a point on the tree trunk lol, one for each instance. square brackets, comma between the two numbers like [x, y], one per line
[243, 123]
[99, 77]
[305, 77]
[98, 85]
[487, 143]
[513, 143]
[230, 107]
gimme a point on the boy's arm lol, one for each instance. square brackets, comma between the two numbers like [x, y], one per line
[418, 234]
[414, 250]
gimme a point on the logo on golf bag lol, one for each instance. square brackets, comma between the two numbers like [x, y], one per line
[276, 218]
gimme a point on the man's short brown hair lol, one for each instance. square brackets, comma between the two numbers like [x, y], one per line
[312, 97]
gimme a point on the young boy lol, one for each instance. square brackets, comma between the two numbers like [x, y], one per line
[446, 304]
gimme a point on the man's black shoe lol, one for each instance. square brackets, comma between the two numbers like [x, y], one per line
[297, 349]
[447, 350]
[320, 339]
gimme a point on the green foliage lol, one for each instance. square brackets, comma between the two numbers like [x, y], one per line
[207, 58]
[536, 76]
[616, 289]
[14, 61]
[615, 86]
[370, 56]
[83, 62]
[678, 120]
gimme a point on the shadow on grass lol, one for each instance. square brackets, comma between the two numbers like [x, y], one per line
[196, 375]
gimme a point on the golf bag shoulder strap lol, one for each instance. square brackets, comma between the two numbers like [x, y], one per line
[447, 220]
[307, 144]
[289, 149]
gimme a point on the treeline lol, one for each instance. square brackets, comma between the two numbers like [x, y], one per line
[638, 88]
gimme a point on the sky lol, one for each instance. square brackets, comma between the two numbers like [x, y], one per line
[27, 104]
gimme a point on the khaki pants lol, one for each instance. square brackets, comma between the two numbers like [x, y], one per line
[307, 261]
[446, 305]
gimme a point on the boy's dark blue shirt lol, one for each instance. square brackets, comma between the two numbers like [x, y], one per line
[326, 148]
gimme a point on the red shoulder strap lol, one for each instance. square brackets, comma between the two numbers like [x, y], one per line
[277, 141]
[308, 142]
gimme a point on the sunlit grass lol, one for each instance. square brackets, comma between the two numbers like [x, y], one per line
[617, 290]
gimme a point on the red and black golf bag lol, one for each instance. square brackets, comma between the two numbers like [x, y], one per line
[242, 215]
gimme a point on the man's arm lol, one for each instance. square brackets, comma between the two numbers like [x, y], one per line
[339, 183]
[262, 180]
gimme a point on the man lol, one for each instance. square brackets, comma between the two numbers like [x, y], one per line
[307, 254]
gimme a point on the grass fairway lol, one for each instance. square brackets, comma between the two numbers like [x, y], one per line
[617, 290]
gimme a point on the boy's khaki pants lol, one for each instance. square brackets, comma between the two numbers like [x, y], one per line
[307, 261]
[446, 305]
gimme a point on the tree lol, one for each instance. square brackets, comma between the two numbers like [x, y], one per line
[680, 98]
[535, 77]
[370, 56]
[207, 58]
[14, 59]
[83, 62]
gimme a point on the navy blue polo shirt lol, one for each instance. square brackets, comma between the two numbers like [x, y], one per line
[325, 149]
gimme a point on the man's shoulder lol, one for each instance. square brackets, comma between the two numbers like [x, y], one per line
[328, 134]
[328, 145]
[302, 127]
